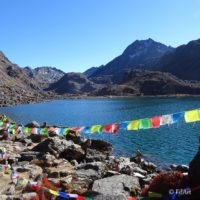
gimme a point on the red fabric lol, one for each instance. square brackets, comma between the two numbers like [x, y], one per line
[132, 198]
[76, 129]
[51, 129]
[111, 128]
[155, 122]
[35, 187]
[80, 198]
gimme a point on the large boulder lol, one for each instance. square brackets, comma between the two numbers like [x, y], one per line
[116, 185]
[93, 171]
[101, 145]
[96, 150]
[62, 170]
[93, 155]
[53, 146]
[73, 152]
[33, 124]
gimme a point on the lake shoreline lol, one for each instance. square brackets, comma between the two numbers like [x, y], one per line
[74, 97]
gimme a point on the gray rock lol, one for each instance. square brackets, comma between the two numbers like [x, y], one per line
[101, 145]
[93, 155]
[148, 166]
[33, 124]
[181, 168]
[139, 170]
[29, 196]
[73, 151]
[95, 170]
[54, 146]
[111, 173]
[29, 155]
[119, 184]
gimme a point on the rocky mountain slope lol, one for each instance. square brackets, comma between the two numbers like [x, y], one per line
[44, 76]
[144, 82]
[15, 86]
[73, 83]
[141, 54]
[184, 61]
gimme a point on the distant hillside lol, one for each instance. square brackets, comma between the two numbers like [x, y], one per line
[15, 85]
[44, 76]
[90, 71]
[144, 83]
[73, 83]
[184, 61]
[141, 54]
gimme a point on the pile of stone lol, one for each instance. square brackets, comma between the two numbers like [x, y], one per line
[80, 166]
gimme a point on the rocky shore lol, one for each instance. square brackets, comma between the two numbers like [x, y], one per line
[86, 167]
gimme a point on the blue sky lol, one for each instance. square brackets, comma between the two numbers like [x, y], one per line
[74, 35]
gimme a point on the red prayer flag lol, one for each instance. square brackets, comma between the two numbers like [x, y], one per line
[155, 122]
[80, 198]
[111, 128]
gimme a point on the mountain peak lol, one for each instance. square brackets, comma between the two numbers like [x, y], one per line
[140, 54]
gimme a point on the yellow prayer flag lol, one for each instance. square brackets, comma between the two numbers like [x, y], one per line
[96, 128]
[192, 116]
[133, 125]
[54, 192]
[154, 195]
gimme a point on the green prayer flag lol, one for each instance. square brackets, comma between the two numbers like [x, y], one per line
[44, 131]
[96, 128]
[27, 130]
[66, 131]
[1, 123]
[145, 123]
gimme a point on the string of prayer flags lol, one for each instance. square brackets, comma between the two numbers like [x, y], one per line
[133, 125]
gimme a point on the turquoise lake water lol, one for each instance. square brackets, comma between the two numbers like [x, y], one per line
[176, 143]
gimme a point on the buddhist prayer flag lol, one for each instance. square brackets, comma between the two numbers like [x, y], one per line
[44, 131]
[133, 125]
[34, 131]
[53, 192]
[80, 198]
[96, 128]
[86, 129]
[145, 123]
[111, 128]
[27, 130]
[176, 117]
[155, 122]
[124, 125]
[77, 129]
[57, 131]
[66, 131]
[192, 116]
[166, 120]
[63, 195]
